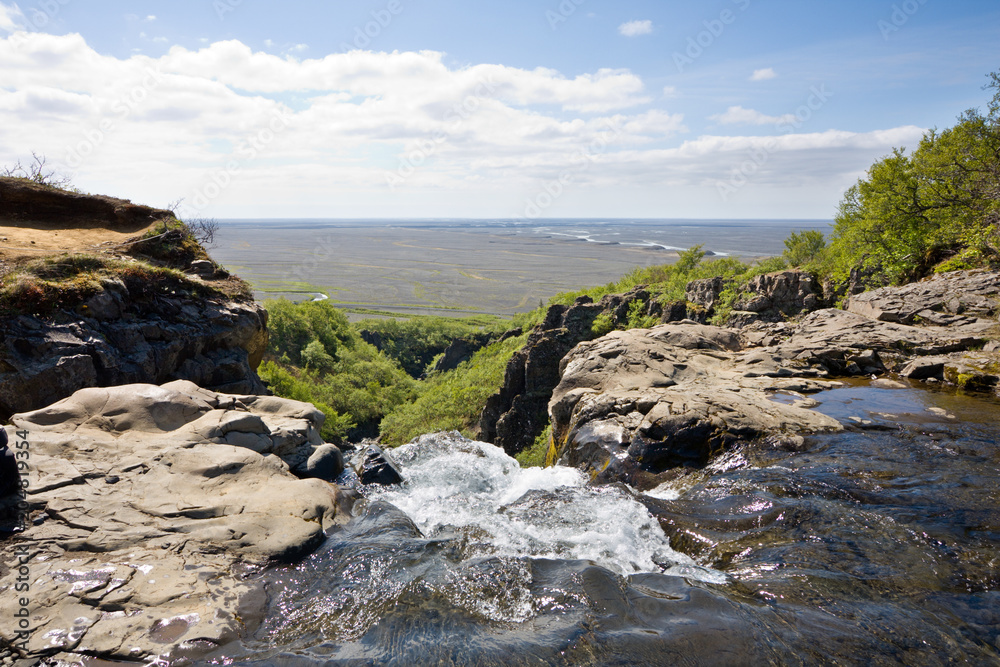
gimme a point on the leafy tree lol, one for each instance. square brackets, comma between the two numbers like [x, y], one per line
[804, 247]
[913, 212]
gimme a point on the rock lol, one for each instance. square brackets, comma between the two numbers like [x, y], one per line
[120, 340]
[151, 513]
[460, 350]
[515, 415]
[774, 297]
[203, 268]
[326, 463]
[378, 468]
[24, 199]
[641, 401]
[948, 299]
[771, 297]
[705, 292]
[10, 478]
[885, 383]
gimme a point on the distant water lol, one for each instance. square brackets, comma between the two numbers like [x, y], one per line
[471, 266]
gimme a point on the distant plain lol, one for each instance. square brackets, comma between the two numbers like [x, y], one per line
[460, 268]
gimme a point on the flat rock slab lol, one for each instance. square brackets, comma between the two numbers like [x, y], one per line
[635, 403]
[956, 298]
[650, 399]
[147, 502]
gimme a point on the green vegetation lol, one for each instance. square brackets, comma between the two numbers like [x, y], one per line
[452, 400]
[315, 355]
[415, 342]
[935, 209]
[803, 248]
[534, 456]
[43, 286]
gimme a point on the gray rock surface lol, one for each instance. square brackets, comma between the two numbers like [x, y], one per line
[115, 339]
[633, 404]
[515, 415]
[147, 504]
[951, 299]
[771, 297]
[644, 400]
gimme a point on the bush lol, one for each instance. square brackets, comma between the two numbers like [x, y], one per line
[802, 248]
[415, 342]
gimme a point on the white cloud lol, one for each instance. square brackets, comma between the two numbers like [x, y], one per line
[150, 18]
[763, 74]
[481, 137]
[739, 116]
[636, 28]
[298, 48]
[10, 17]
[669, 91]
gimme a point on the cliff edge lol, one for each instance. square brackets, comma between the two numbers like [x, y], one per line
[100, 292]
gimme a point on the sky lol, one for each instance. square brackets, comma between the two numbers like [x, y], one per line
[511, 109]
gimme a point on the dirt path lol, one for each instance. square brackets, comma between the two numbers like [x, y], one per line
[30, 240]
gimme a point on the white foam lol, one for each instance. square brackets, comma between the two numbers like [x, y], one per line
[457, 484]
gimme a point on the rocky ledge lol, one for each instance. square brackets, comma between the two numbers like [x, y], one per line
[114, 339]
[636, 403]
[147, 506]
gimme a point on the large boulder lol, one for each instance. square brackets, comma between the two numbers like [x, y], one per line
[144, 500]
[516, 414]
[645, 400]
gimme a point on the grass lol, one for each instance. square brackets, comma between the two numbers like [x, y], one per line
[43, 286]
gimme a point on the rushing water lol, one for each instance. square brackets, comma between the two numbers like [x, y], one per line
[879, 545]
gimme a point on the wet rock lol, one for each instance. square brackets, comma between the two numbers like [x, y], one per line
[378, 468]
[639, 402]
[155, 497]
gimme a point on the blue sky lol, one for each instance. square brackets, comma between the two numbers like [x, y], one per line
[440, 108]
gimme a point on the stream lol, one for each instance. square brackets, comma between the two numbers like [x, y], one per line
[879, 545]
